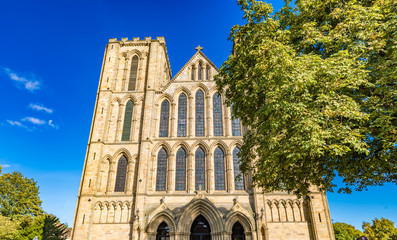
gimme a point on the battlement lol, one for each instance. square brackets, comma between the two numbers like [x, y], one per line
[137, 40]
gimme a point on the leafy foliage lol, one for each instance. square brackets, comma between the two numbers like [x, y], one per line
[344, 231]
[316, 86]
[19, 195]
[53, 229]
[8, 229]
[382, 229]
[30, 227]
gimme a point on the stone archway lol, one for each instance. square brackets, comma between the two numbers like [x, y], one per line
[200, 229]
[204, 208]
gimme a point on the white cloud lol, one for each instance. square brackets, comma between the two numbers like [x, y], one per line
[5, 165]
[16, 123]
[40, 108]
[34, 120]
[51, 124]
[30, 84]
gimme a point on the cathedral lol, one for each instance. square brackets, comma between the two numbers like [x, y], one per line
[162, 159]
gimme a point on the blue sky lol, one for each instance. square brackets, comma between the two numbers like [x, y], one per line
[50, 64]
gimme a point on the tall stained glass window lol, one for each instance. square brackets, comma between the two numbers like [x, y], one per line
[200, 169]
[180, 171]
[236, 125]
[121, 174]
[217, 110]
[164, 118]
[133, 74]
[125, 136]
[161, 178]
[219, 165]
[199, 113]
[238, 184]
[182, 117]
[200, 68]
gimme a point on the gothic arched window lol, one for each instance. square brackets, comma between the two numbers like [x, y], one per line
[238, 184]
[236, 125]
[125, 136]
[133, 73]
[200, 169]
[200, 68]
[164, 118]
[180, 171]
[182, 117]
[219, 165]
[199, 113]
[161, 178]
[163, 232]
[217, 110]
[121, 174]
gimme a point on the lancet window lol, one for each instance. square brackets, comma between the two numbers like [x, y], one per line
[125, 136]
[219, 165]
[238, 183]
[207, 73]
[180, 171]
[200, 68]
[121, 174]
[199, 113]
[236, 125]
[200, 169]
[164, 118]
[161, 178]
[217, 111]
[133, 73]
[182, 117]
[193, 72]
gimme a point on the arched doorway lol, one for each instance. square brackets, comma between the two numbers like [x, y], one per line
[163, 232]
[238, 232]
[200, 229]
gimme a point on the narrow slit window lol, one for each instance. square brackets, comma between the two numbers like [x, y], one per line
[182, 117]
[199, 71]
[164, 118]
[193, 72]
[133, 74]
[121, 174]
[125, 136]
[161, 177]
[199, 113]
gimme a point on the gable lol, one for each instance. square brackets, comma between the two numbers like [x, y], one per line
[193, 65]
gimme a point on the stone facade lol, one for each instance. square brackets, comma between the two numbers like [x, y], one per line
[135, 209]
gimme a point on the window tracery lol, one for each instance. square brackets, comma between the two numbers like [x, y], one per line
[164, 118]
[161, 177]
[219, 166]
[121, 174]
[133, 73]
[125, 136]
[182, 117]
[180, 171]
[238, 183]
[200, 169]
[199, 113]
[217, 118]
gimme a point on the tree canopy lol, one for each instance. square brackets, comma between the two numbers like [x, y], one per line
[19, 195]
[380, 229]
[315, 84]
[344, 231]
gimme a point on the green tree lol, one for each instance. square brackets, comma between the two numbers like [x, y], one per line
[53, 229]
[31, 227]
[315, 84]
[344, 231]
[382, 229]
[19, 195]
[8, 228]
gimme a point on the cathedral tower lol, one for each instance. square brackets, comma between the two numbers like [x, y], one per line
[162, 159]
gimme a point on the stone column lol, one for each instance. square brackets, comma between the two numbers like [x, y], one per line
[190, 128]
[130, 176]
[228, 121]
[190, 173]
[210, 173]
[171, 173]
[118, 123]
[173, 120]
[229, 173]
[110, 180]
[136, 119]
[123, 84]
